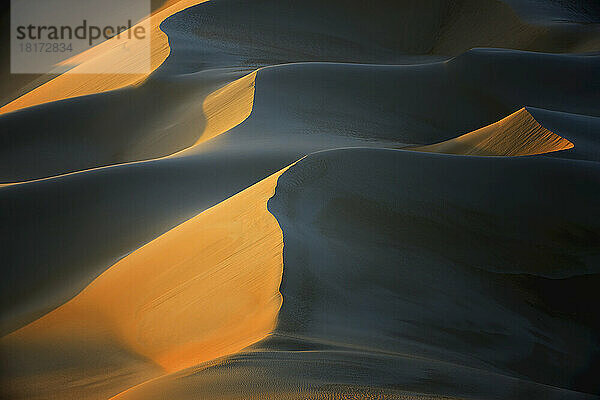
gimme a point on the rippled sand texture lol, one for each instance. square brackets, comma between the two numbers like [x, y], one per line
[382, 297]
[519, 134]
[228, 107]
[165, 307]
[311, 200]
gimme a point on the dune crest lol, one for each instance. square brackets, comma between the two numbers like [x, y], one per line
[222, 109]
[203, 290]
[383, 260]
[228, 107]
[519, 134]
[79, 82]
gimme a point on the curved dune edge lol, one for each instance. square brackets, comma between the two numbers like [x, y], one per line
[227, 107]
[519, 134]
[122, 57]
[205, 289]
[223, 109]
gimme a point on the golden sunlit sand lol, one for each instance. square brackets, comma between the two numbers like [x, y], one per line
[111, 55]
[223, 110]
[205, 289]
[145, 233]
[228, 107]
[519, 134]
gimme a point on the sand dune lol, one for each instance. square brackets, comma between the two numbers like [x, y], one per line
[161, 241]
[396, 285]
[234, 247]
[285, 31]
[82, 79]
[339, 103]
[519, 134]
[475, 89]
[228, 107]
[13, 86]
[242, 32]
[359, 317]
[297, 109]
[579, 129]
[202, 108]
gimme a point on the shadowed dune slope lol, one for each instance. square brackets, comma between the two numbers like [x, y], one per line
[410, 274]
[130, 125]
[565, 82]
[557, 11]
[582, 130]
[205, 289]
[410, 104]
[258, 33]
[244, 32]
[297, 109]
[519, 134]
[161, 240]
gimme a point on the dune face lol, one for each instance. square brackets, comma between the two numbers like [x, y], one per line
[519, 134]
[228, 107]
[125, 316]
[395, 254]
[557, 11]
[204, 111]
[310, 200]
[383, 298]
[386, 102]
[342, 30]
[79, 81]
[574, 127]
[276, 31]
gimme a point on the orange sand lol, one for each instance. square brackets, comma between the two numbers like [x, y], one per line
[223, 109]
[228, 107]
[122, 57]
[205, 289]
[519, 134]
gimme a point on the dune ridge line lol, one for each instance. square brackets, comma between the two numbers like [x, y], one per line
[77, 82]
[223, 110]
[220, 271]
[518, 134]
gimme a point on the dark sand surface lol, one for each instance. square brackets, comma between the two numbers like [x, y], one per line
[440, 229]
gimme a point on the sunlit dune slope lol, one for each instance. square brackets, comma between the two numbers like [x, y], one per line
[205, 289]
[164, 116]
[259, 33]
[298, 109]
[348, 101]
[228, 107]
[519, 134]
[78, 81]
[201, 114]
[582, 130]
[410, 274]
